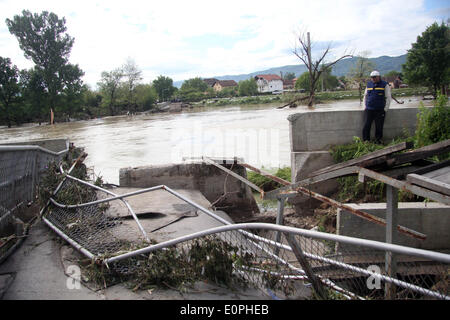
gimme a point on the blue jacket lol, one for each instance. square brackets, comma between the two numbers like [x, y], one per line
[376, 97]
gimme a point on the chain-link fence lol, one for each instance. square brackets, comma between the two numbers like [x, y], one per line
[20, 171]
[303, 264]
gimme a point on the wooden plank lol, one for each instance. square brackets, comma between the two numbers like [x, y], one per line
[407, 186]
[400, 172]
[369, 159]
[444, 178]
[437, 173]
[421, 153]
[298, 252]
[309, 181]
[432, 167]
[250, 184]
[428, 183]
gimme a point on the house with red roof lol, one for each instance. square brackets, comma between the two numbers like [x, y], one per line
[269, 83]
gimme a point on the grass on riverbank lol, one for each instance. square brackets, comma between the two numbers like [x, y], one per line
[320, 97]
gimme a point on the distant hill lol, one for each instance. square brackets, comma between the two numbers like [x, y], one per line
[384, 64]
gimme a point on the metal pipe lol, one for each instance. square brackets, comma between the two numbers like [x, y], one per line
[113, 194]
[130, 194]
[31, 147]
[390, 264]
[248, 234]
[334, 203]
[435, 256]
[406, 186]
[311, 234]
[8, 212]
[266, 174]
[250, 184]
[69, 240]
[360, 213]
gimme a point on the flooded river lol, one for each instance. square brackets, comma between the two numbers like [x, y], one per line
[257, 133]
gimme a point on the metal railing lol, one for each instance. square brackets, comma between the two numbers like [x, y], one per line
[284, 260]
[20, 169]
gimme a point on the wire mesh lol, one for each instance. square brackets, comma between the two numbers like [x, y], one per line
[20, 171]
[238, 261]
[90, 226]
[241, 257]
[17, 176]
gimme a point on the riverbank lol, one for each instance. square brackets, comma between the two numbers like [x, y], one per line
[265, 99]
[321, 97]
[257, 132]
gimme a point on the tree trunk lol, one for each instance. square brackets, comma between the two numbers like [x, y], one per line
[111, 109]
[311, 99]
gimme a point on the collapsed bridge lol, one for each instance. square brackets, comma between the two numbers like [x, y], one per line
[111, 227]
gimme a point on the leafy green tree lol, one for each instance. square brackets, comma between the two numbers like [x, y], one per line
[393, 73]
[247, 87]
[109, 88]
[34, 93]
[344, 80]
[433, 123]
[303, 82]
[146, 96]
[428, 61]
[289, 76]
[92, 98]
[72, 94]
[195, 83]
[227, 92]
[164, 87]
[193, 89]
[9, 89]
[44, 40]
[190, 94]
[327, 80]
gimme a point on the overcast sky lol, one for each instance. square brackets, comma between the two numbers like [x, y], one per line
[185, 39]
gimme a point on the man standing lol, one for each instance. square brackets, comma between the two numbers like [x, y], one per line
[377, 99]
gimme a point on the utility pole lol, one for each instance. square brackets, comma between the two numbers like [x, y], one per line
[310, 68]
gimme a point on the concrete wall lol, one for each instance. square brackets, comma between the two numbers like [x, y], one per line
[432, 219]
[313, 133]
[318, 130]
[209, 180]
[302, 164]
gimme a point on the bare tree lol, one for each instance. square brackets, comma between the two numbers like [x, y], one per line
[133, 76]
[315, 68]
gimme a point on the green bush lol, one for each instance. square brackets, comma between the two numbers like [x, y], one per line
[433, 123]
[349, 187]
[268, 184]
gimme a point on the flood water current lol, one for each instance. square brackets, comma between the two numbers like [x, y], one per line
[257, 133]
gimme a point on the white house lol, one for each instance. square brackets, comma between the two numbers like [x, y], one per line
[269, 83]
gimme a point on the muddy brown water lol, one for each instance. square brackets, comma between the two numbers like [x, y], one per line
[257, 133]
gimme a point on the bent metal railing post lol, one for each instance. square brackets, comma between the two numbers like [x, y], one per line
[256, 241]
[20, 170]
[391, 236]
[245, 233]
[420, 253]
[305, 265]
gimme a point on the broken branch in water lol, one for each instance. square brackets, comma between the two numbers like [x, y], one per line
[293, 101]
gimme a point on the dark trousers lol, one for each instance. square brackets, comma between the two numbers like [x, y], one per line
[369, 117]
